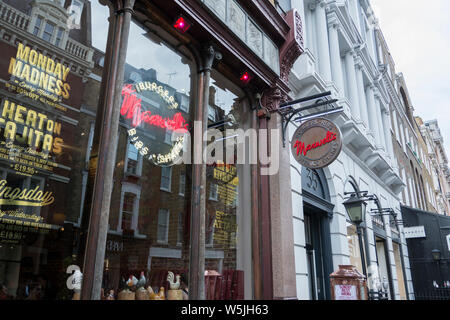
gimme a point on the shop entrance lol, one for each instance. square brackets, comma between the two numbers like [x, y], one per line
[317, 211]
[315, 253]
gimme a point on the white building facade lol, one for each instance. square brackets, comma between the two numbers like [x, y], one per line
[342, 56]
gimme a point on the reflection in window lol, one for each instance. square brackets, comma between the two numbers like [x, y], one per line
[163, 226]
[182, 184]
[158, 246]
[213, 192]
[166, 177]
[132, 162]
[37, 26]
[75, 10]
[227, 220]
[180, 228]
[59, 36]
[48, 31]
[127, 211]
[354, 248]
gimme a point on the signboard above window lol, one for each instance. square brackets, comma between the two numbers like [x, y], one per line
[240, 23]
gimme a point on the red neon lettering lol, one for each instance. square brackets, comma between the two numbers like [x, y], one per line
[300, 146]
[132, 109]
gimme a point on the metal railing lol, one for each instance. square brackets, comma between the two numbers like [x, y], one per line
[14, 17]
[437, 294]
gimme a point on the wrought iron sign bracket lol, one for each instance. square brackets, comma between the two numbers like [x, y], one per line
[290, 112]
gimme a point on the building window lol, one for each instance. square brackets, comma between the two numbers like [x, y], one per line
[37, 26]
[182, 184]
[166, 177]
[132, 159]
[59, 36]
[48, 31]
[180, 229]
[213, 192]
[75, 9]
[184, 103]
[168, 137]
[163, 226]
[211, 113]
[127, 211]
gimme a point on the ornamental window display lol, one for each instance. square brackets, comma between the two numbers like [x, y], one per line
[90, 143]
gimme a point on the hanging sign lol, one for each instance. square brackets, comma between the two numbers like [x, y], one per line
[154, 116]
[316, 143]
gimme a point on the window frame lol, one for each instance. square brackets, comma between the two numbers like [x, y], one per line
[161, 187]
[167, 226]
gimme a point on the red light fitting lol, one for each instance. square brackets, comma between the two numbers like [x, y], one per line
[181, 24]
[245, 77]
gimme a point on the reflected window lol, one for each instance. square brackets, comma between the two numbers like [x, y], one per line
[59, 36]
[132, 159]
[163, 226]
[49, 160]
[180, 228]
[128, 210]
[166, 178]
[37, 26]
[48, 31]
[213, 192]
[182, 184]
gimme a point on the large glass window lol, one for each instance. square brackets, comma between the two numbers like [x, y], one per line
[48, 102]
[156, 110]
[228, 209]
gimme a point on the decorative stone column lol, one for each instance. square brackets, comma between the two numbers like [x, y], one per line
[373, 124]
[361, 93]
[378, 111]
[335, 54]
[323, 53]
[352, 85]
[385, 117]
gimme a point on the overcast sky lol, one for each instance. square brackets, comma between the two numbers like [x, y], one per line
[418, 36]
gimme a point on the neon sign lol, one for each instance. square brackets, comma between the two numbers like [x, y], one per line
[133, 111]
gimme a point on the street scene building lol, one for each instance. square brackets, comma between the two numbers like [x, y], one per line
[214, 149]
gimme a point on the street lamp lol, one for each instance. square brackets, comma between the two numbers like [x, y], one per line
[356, 208]
[436, 253]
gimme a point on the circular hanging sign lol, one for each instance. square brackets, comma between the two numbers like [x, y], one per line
[316, 143]
[157, 122]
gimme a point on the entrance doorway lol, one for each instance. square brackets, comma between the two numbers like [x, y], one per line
[317, 277]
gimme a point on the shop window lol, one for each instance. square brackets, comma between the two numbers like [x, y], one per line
[163, 226]
[48, 31]
[46, 159]
[166, 178]
[151, 87]
[227, 220]
[354, 247]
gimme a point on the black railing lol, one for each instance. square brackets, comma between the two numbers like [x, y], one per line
[437, 294]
